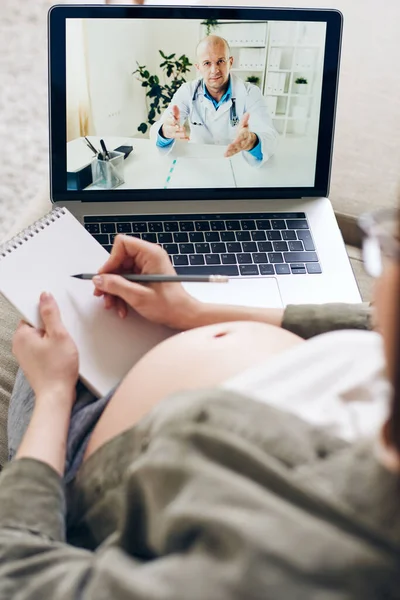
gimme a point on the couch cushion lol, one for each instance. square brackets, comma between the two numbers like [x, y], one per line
[9, 319]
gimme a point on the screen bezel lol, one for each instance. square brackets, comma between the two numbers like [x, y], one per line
[58, 114]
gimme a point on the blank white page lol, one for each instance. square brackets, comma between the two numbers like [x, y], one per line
[108, 345]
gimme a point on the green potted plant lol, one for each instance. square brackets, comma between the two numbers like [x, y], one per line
[253, 79]
[301, 85]
[210, 25]
[159, 96]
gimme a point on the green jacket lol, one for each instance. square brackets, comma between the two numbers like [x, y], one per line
[210, 496]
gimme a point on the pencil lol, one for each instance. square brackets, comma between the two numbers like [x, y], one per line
[161, 278]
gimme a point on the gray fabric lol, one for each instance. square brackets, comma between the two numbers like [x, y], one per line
[86, 412]
[309, 320]
[9, 318]
[202, 500]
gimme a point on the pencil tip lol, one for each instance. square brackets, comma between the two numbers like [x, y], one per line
[77, 276]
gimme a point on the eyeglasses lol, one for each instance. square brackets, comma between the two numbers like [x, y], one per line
[380, 230]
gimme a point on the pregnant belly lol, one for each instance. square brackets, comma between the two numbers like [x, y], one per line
[192, 359]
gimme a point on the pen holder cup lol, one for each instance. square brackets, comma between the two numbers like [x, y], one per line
[108, 174]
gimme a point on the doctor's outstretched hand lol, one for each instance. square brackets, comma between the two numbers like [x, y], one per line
[165, 303]
[172, 128]
[245, 140]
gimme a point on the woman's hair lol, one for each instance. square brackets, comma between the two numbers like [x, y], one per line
[393, 424]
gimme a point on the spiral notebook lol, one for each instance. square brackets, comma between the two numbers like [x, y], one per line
[42, 258]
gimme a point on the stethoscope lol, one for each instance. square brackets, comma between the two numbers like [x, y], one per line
[233, 118]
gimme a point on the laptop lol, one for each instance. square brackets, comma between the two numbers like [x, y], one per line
[209, 131]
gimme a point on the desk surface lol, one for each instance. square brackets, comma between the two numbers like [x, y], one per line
[189, 165]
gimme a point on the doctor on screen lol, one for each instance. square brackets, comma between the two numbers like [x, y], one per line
[220, 108]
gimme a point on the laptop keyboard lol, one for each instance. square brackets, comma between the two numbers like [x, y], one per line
[234, 244]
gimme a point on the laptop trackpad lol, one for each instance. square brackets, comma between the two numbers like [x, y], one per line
[248, 291]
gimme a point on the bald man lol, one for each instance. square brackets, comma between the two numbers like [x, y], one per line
[219, 108]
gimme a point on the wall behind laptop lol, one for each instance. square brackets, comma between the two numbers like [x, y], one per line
[110, 51]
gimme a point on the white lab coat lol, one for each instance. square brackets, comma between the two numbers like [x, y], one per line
[216, 126]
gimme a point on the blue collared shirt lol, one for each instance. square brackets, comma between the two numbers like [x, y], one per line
[256, 151]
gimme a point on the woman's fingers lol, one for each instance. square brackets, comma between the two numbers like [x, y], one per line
[138, 254]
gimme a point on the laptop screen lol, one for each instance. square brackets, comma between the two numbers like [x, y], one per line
[165, 102]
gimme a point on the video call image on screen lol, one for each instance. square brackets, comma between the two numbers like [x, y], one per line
[192, 104]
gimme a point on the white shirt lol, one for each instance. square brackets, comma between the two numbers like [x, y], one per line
[335, 380]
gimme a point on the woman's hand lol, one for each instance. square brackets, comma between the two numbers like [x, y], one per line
[166, 303]
[48, 357]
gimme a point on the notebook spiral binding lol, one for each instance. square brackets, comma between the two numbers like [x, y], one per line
[31, 231]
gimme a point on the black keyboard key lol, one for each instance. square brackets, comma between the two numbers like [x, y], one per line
[180, 259]
[202, 225]
[263, 224]
[298, 269]
[243, 236]
[228, 259]
[92, 227]
[186, 248]
[248, 225]
[156, 226]
[202, 248]
[217, 226]
[260, 257]
[218, 248]
[196, 236]
[124, 228]
[295, 257]
[212, 236]
[163, 238]
[289, 235]
[229, 270]
[212, 259]
[108, 228]
[103, 239]
[258, 236]
[171, 248]
[305, 236]
[249, 247]
[180, 238]
[171, 226]
[186, 225]
[248, 270]
[280, 246]
[274, 236]
[264, 246]
[297, 224]
[227, 236]
[267, 269]
[150, 237]
[278, 224]
[234, 247]
[282, 269]
[244, 259]
[295, 246]
[196, 259]
[233, 225]
[275, 257]
[108, 248]
[139, 227]
[313, 268]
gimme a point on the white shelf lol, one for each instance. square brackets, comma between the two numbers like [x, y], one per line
[245, 45]
[294, 46]
[256, 70]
